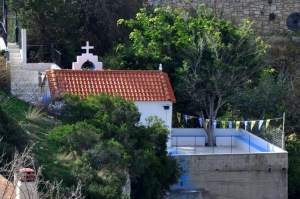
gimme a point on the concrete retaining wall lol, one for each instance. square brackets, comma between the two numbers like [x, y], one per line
[243, 176]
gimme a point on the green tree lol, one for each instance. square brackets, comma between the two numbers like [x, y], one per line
[285, 58]
[69, 24]
[212, 60]
[266, 100]
[156, 170]
[99, 19]
[293, 148]
[104, 135]
[97, 163]
[51, 21]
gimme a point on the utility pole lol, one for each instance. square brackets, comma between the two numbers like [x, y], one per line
[17, 29]
[3, 10]
[283, 134]
[5, 14]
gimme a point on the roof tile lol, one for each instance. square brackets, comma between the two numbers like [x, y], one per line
[7, 189]
[137, 85]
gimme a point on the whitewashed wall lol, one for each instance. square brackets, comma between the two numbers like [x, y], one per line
[150, 108]
[2, 44]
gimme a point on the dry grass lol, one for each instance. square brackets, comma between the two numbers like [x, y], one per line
[67, 157]
[34, 113]
[102, 173]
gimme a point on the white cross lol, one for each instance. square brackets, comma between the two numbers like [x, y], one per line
[87, 47]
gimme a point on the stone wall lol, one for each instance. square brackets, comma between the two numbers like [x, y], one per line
[243, 176]
[257, 11]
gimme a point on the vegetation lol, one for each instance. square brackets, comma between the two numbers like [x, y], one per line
[293, 147]
[287, 60]
[216, 68]
[264, 100]
[69, 24]
[284, 57]
[44, 189]
[4, 75]
[101, 146]
[215, 61]
[26, 135]
[100, 155]
[12, 135]
[104, 140]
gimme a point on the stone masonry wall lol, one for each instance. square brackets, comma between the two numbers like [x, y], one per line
[257, 11]
[242, 176]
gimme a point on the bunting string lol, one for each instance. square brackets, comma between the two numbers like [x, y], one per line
[205, 122]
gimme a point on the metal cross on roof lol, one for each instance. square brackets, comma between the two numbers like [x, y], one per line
[87, 47]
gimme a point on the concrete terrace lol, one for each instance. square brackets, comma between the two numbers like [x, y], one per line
[228, 141]
[241, 165]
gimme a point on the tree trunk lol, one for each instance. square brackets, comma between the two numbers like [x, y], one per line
[126, 189]
[210, 136]
[210, 129]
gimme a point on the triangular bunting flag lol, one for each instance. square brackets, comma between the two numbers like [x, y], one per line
[223, 124]
[267, 123]
[215, 124]
[237, 125]
[207, 122]
[230, 124]
[186, 117]
[200, 121]
[252, 124]
[179, 117]
[246, 123]
[260, 122]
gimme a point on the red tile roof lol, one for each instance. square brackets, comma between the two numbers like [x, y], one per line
[136, 85]
[7, 189]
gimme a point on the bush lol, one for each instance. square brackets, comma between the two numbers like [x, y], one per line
[4, 75]
[103, 134]
[13, 136]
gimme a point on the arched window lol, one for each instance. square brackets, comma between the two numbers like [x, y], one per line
[88, 65]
